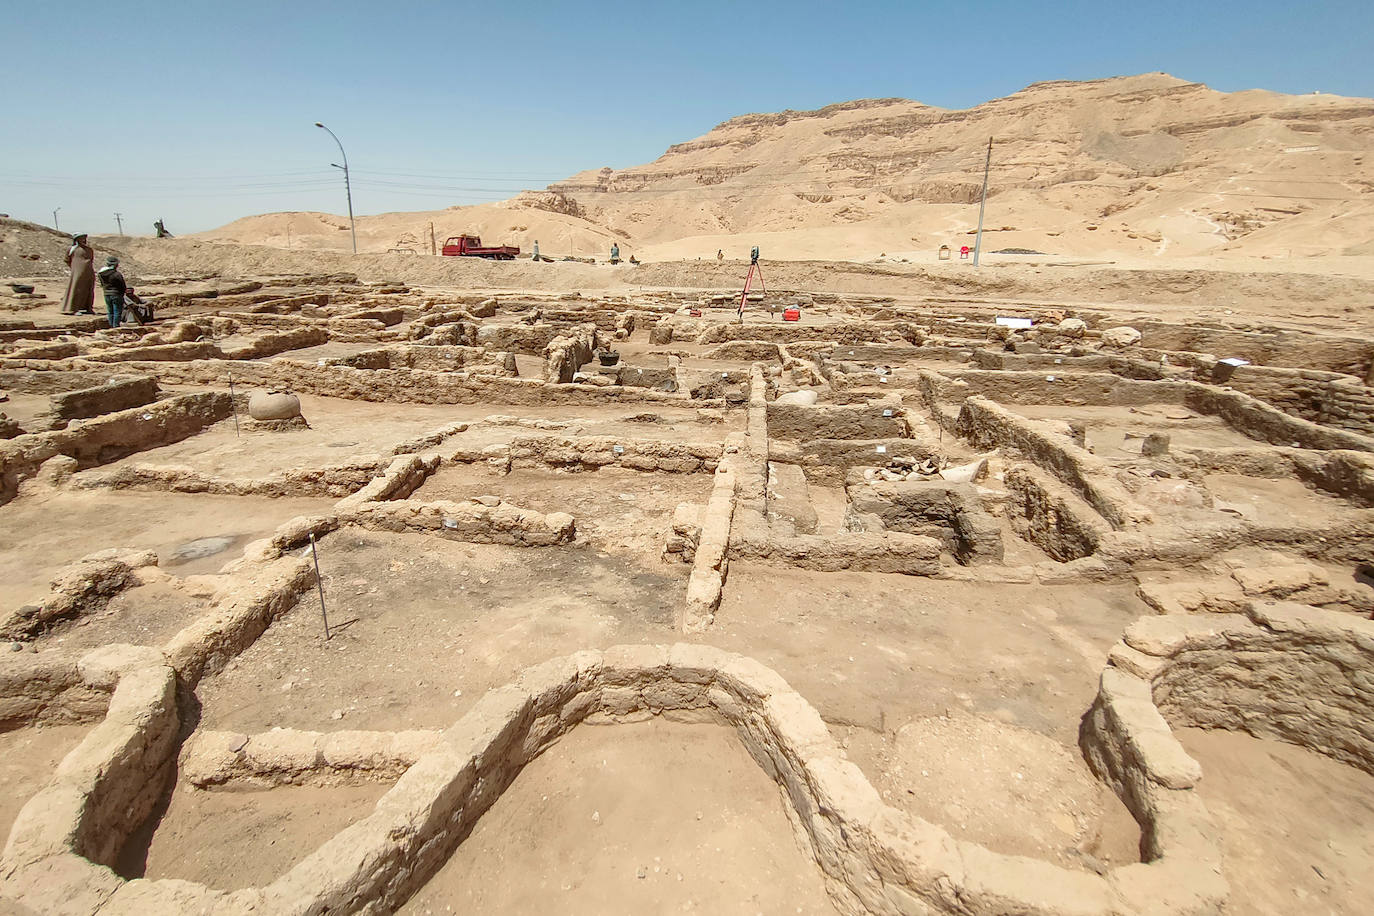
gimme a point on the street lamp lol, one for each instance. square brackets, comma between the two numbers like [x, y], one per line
[347, 188]
[54, 219]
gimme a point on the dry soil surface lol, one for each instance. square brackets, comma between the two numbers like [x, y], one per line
[1296, 829]
[41, 535]
[655, 817]
[229, 839]
[423, 626]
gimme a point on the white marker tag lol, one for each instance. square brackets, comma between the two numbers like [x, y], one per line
[1049, 378]
[1058, 361]
[882, 450]
[319, 362]
[618, 449]
[887, 412]
[147, 416]
[450, 523]
[725, 375]
[883, 379]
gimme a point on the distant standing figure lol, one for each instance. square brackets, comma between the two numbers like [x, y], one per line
[615, 253]
[535, 256]
[113, 285]
[161, 229]
[81, 287]
[720, 255]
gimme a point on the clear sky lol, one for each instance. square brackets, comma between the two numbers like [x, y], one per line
[202, 112]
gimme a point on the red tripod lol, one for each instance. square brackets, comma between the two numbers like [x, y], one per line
[749, 281]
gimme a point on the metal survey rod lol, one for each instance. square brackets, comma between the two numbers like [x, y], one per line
[348, 189]
[978, 242]
[234, 404]
[319, 585]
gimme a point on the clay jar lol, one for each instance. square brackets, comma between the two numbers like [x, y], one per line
[274, 405]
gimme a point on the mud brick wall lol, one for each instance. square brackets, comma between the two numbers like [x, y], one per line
[527, 339]
[1328, 398]
[1350, 355]
[117, 394]
[272, 344]
[1051, 516]
[915, 507]
[175, 352]
[795, 421]
[1090, 388]
[1258, 420]
[863, 332]
[1292, 672]
[112, 436]
[42, 381]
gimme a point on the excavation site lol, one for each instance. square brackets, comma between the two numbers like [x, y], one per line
[329, 594]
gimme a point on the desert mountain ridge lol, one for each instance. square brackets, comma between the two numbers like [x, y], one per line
[1141, 167]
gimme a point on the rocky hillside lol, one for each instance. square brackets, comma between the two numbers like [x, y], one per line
[1146, 166]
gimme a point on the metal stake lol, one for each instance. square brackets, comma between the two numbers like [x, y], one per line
[319, 585]
[978, 243]
[234, 403]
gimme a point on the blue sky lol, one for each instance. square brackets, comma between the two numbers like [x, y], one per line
[202, 112]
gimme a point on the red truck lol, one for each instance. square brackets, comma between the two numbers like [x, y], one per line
[470, 246]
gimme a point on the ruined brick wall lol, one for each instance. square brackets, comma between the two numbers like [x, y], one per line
[1328, 398]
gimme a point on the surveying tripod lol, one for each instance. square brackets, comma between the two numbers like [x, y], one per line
[749, 280]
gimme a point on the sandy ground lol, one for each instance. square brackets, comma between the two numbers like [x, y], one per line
[423, 626]
[655, 817]
[619, 511]
[1115, 432]
[41, 535]
[147, 615]
[881, 656]
[977, 776]
[340, 431]
[229, 839]
[28, 757]
[1296, 829]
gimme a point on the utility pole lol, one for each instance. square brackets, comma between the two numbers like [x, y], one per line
[54, 219]
[120, 223]
[348, 189]
[978, 242]
[433, 250]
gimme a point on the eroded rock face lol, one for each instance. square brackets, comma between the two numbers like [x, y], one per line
[274, 405]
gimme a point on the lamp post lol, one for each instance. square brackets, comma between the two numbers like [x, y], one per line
[54, 219]
[348, 190]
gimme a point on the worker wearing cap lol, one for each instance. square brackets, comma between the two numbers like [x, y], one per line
[81, 286]
[113, 285]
